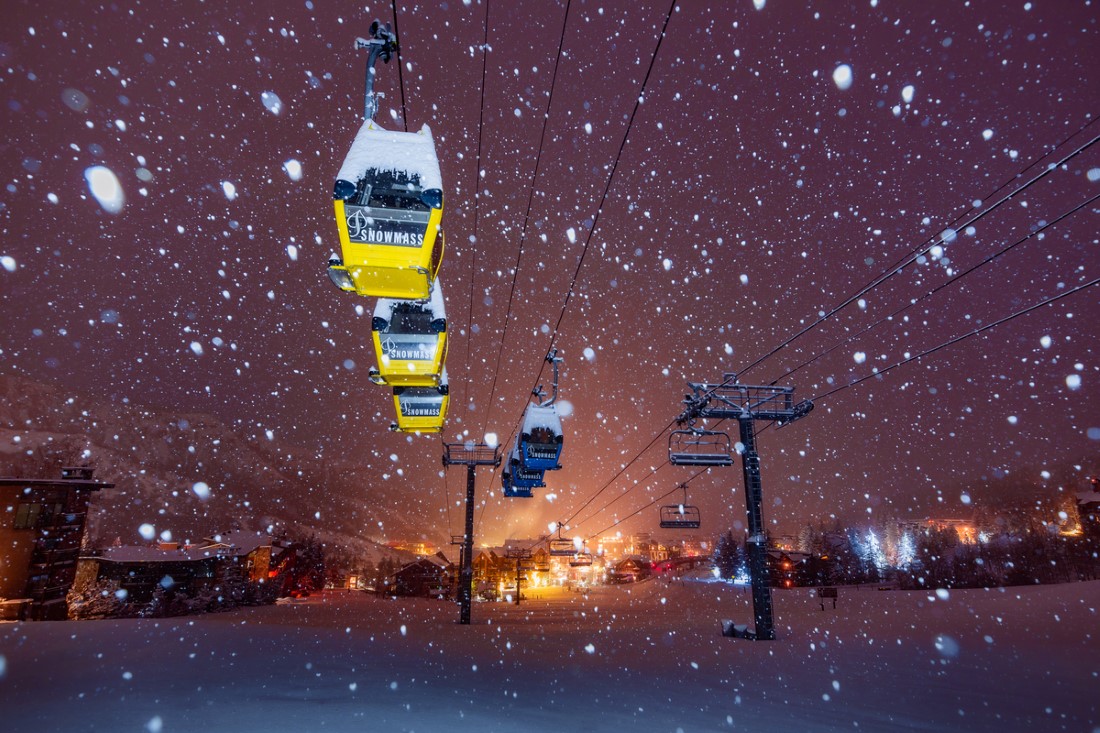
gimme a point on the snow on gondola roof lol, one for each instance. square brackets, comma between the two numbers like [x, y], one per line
[537, 416]
[384, 307]
[412, 153]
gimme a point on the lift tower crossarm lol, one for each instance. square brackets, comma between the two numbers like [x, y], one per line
[729, 400]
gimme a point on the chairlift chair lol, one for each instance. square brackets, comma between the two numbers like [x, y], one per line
[580, 560]
[561, 546]
[696, 447]
[680, 516]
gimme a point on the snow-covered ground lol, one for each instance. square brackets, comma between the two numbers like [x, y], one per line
[648, 657]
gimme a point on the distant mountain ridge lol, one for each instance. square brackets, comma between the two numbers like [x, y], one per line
[189, 473]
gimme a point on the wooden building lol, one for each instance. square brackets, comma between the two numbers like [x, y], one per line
[427, 577]
[190, 569]
[629, 570]
[42, 524]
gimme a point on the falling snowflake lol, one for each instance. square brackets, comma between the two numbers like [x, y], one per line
[272, 102]
[842, 75]
[104, 185]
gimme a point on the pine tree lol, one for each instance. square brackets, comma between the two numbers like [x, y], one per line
[727, 555]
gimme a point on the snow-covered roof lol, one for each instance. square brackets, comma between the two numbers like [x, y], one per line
[145, 554]
[412, 153]
[384, 307]
[223, 545]
[436, 560]
[243, 542]
[1088, 497]
[541, 417]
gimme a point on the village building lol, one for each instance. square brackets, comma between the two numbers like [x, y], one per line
[42, 523]
[189, 569]
[1088, 511]
[428, 577]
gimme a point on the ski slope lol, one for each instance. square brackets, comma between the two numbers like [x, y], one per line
[647, 657]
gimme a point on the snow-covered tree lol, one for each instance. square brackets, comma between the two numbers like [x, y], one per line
[101, 599]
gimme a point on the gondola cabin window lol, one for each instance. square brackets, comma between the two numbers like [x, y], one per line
[391, 190]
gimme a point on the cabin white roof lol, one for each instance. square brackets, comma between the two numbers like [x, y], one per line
[541, 417]
[384, 307]
[412, 153]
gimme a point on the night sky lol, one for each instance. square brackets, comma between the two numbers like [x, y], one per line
[756, 191]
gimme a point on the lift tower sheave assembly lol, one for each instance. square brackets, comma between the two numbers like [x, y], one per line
[746, 404]
[470, 455]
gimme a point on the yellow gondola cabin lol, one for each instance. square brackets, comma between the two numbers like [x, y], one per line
[410, 341]
[421, 409]
[389, 205]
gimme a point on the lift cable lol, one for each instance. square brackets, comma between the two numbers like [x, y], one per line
[939, 287]
[905, 261]
[523, 230]
[476, 188]
[475, 239]
[920, 252]
[595, 222]
[955, 340]
[943, 285]
[599, 208]
[646, 478]
[891, 316]
[614, 478]
[400, 73]
[638, 484]
[880, 372]
[473, 262]
[527, 217]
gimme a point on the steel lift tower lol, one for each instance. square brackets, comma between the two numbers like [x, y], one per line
[730, 400]
[470, 455]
